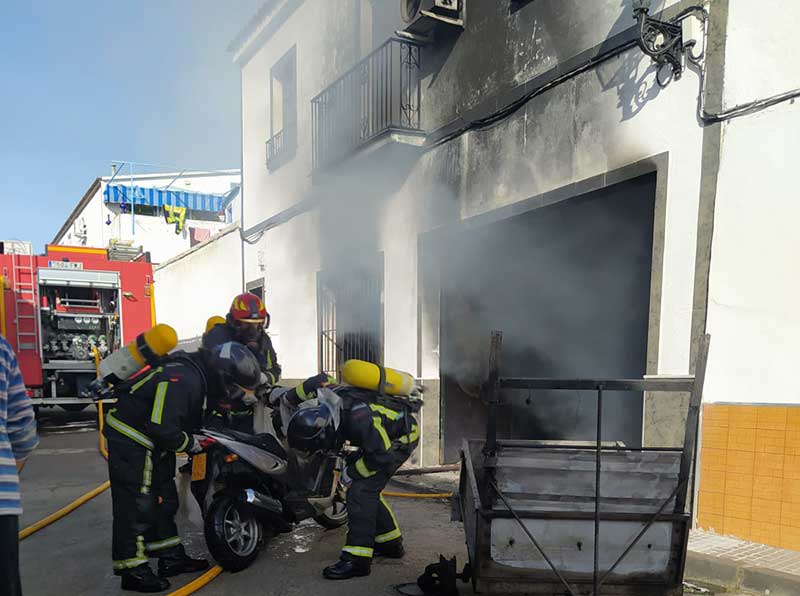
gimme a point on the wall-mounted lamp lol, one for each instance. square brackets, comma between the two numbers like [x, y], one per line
[661, 40]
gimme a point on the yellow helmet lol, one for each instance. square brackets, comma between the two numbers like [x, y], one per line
[213, 322]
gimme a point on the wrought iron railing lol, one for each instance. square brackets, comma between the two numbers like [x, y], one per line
[380, 94]
[281, 147]
[350, 316]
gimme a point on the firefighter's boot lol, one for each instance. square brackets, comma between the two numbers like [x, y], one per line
[177, 562]
[142, 579]
[347, 568]
[392, 550]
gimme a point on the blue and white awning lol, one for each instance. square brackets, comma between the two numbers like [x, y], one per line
[156, 197]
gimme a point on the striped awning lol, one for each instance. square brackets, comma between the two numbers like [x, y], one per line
[156, 197]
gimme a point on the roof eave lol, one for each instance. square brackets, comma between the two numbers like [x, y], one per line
[87, 197]
[270, 17]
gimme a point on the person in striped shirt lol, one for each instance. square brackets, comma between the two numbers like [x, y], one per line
[18, 438]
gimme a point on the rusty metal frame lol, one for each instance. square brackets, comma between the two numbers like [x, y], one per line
[692, 384]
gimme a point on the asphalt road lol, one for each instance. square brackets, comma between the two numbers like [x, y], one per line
[73, 556]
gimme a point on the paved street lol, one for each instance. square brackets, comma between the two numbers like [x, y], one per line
[72, 556]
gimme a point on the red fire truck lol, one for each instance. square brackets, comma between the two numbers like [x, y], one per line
[67, 308]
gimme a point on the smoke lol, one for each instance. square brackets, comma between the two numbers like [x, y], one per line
[568, 284]
[569, 287]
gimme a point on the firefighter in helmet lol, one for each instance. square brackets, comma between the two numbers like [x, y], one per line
[153, 419]
[246, 323]
[385, 437]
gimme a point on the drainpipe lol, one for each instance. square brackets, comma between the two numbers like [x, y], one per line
[241, 174]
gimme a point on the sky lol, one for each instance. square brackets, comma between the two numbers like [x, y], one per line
[88, 82]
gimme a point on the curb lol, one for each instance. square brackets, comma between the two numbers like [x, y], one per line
[712, 570]
[735, 575]
[759, 579]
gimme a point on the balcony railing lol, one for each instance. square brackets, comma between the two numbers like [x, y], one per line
[281, 147]
[381, 94]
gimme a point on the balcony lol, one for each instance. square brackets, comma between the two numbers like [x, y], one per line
[281, 147]
[377, 101]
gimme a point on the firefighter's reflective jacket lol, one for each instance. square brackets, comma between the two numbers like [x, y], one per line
[159, 408]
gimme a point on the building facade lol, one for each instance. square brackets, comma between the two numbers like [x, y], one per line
[524, 166]
[163, 213]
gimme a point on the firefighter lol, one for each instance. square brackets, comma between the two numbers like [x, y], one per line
[153, 419]
[386, 437]
[246, 323]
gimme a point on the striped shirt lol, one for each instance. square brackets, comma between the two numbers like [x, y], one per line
[17, 429]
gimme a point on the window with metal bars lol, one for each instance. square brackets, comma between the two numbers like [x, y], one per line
[350, 316]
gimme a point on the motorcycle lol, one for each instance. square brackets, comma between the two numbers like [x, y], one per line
[250, 489]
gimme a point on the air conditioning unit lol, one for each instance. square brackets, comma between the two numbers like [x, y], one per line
[422, 16]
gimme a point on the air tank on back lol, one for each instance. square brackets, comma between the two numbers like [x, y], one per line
[146, 349]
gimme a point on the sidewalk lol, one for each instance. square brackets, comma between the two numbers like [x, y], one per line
[737, 564]
[719, 560]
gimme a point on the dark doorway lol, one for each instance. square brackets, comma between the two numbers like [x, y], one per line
[350, 315]
[569, 286]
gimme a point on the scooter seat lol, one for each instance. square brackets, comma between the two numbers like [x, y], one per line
[264, 441]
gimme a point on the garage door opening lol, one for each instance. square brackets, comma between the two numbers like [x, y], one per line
[569, 286]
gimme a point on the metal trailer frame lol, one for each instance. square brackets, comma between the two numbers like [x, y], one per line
[479, 490]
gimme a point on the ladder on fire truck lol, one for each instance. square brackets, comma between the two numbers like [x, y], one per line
[23, 279]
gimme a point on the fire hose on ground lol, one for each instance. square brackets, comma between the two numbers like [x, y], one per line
[66, 510]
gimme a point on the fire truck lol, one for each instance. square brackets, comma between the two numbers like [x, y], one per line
[67, 309]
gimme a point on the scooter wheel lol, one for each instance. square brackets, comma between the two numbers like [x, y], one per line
[336, 515]
[233, 533]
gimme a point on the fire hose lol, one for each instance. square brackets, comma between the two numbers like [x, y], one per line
[66, 510]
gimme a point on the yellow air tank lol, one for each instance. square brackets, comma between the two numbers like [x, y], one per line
[145, 349]
[368, 376]
[213, 322]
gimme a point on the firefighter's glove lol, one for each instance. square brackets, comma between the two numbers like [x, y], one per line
[352, 457]
[274, 395]
[194, 446]
[263, 393]
[346, 479]
[249, 399]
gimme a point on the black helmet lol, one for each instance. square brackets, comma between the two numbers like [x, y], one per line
[236, 364]
[311, 429]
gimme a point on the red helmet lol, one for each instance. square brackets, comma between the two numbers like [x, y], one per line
[248, 308]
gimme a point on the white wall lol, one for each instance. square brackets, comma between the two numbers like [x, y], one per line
[753, 313]
[615, 116]
[201, 283]
[606, 140]
[151, 232]
[290, 253]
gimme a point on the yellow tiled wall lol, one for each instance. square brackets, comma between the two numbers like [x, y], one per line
[750, 473]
